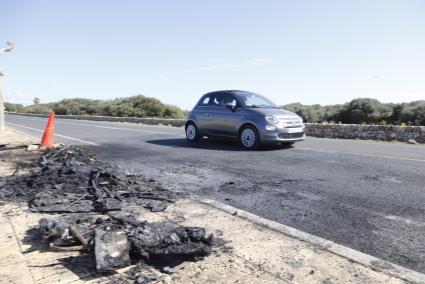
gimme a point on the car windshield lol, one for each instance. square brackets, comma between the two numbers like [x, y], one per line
[253, 100]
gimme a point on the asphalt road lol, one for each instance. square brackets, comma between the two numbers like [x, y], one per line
[366, 195]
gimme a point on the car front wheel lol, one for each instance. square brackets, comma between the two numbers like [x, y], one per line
[249, 138]
[192, 132]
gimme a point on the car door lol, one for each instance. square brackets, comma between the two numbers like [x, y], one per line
[201, 113]
[223, 121]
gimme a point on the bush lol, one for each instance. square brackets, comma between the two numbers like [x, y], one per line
[39, 108]
[13, 107]
[314, 113]
[357, 111]
[363, 110]
[136, 106]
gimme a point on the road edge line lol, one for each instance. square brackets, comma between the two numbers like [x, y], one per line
[56, 134]
[366, 260]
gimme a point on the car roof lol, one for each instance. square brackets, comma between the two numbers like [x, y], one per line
[225, 91]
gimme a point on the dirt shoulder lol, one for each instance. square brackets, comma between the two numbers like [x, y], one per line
[256, 252]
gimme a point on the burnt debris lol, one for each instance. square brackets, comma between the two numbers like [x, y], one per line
[88, 197]
[118, 240]
[70, 179]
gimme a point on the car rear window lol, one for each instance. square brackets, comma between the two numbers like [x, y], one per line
[205, 101]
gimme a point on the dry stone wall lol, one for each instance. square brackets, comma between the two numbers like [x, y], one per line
[367, 132]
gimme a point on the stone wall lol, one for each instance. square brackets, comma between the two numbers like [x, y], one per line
[347, 131]
[367, 132]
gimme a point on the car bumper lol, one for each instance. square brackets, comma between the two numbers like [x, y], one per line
[283, 135]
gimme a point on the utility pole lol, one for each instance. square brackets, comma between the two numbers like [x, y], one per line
[9, 46]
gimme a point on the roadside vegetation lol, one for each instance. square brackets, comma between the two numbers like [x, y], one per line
[357, 111]
[363, 111]
[136, 106]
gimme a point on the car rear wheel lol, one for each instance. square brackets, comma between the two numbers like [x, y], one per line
[249, 137]
[192, 132]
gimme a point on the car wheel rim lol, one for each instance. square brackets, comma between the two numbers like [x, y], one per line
[191, 132]
[248, 138]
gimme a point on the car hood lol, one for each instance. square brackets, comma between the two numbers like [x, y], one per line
[277, 112]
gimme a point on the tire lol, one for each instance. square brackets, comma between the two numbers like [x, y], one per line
[249, 138]
[192, 134]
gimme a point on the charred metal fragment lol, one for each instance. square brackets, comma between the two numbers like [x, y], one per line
[111, 248]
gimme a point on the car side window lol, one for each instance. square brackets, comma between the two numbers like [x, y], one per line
[205, 101]
[222, 100]
[216, 101]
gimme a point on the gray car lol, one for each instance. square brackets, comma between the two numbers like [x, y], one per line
[249, 117]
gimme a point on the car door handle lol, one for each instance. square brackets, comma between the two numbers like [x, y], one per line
[208, 114]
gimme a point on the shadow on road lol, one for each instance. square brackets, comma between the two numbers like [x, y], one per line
[210, 144]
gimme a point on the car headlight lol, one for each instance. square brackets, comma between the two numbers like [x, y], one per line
[270, 127]
[271, 119]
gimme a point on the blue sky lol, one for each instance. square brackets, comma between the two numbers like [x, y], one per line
[314, 51]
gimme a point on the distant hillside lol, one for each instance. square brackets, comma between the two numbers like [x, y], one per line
[136, 106]
[363, 110]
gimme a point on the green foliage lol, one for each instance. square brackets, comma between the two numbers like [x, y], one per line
[136, 106]
[314, 113]
[363, 110]
[78, 106]
[39, 108]
[174, 112]
[411, 113]
[13, 107]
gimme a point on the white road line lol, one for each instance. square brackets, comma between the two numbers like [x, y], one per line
[404, 220]
[62, 121]
[119, 128]
[359, 154]
[59, 135]
[371, 142]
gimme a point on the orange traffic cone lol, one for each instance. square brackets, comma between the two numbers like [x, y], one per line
[47, 140]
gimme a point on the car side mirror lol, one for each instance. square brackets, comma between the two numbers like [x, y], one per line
[231, 107]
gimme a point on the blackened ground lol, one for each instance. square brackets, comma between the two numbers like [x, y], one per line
[369, 196]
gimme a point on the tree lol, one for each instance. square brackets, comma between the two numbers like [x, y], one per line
[412, 113]
[362, 110]
[314, 113]
[13, 107]
[174, 112]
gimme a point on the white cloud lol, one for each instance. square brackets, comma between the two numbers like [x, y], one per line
[260, 61]
[252, 62]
